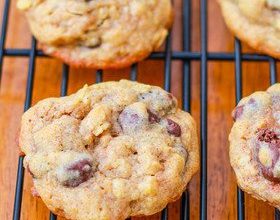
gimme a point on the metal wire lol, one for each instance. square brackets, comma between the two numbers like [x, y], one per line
[186, 82]
[99, 76]
[167, 65]
[133, 72]
[175, 55]
[3, 34]
[203, 110]
[168, 56]
[273, 74]
[27, 104]
[53, 216]
[238, 96]
[64, 81]
[167, 87]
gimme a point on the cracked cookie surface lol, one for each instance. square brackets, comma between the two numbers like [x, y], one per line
[255, 145]
[109, 151]
[257, 22]
[99, 33]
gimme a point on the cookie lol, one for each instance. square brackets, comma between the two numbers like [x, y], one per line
[99, 34]
[257, 22]
[109, 151]
[255, 145]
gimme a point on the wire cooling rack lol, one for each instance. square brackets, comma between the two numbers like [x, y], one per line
[186, 56]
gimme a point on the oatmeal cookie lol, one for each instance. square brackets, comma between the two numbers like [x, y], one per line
[99, 34]
[257, 22]
[255, 145]
[109, 151]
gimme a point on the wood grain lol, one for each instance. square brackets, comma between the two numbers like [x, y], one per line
[221, 100]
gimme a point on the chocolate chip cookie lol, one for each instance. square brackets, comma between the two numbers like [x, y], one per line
[99, 34]
[255, 145]
[257, 22]
[109, 151]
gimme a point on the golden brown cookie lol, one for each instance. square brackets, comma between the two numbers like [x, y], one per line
[109, 151]
[99, 34]
[255, 145]
[257, 22]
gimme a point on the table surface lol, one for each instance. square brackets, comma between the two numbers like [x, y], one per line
[221, 100]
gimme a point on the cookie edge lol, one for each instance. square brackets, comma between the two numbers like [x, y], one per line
[260, 45]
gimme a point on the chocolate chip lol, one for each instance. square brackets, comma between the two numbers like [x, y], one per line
[83, 168]
[237, 112]
[173, 128]
[153, 118]
[268, 174]
[268, 136]
[251, 101]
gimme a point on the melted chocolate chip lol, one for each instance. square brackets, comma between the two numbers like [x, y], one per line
[173, 128]
[268, 136]
[268, 174]
[84, 169]
[237, 112]
[153, 118]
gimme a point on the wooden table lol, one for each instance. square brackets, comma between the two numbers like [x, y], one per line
[222, 197]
